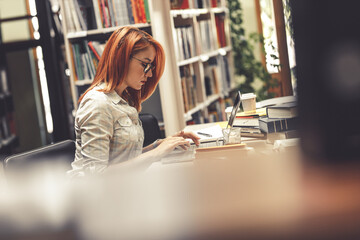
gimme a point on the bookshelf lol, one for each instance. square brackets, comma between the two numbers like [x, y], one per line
[197, 77]
[198, 74]
[93, 22]
[8, 135]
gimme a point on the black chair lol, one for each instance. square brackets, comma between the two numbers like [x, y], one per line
[54, 157]
[151, 128]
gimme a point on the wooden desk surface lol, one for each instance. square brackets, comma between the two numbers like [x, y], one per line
[268, 195]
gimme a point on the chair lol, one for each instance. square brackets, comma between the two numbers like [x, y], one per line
[54, 157]
[151, 128]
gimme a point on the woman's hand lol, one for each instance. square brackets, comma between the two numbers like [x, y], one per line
[189, 135]
[168, 144]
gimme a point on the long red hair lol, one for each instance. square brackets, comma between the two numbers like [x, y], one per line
[114, 64]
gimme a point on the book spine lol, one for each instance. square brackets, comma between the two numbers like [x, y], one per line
[118, 12]
[89, 61]
[98, 47]
[90, 44]
[76, 53]
[74, 16]
[179, 4]
[278, 125]
[104, 14]
[67, 12]
[97, 14]
[134, 11]
[130, 12]
[147, 11]
[112, 15]
[80, 16]
[124, 12]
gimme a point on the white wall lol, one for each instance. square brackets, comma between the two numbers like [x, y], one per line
[250, 26]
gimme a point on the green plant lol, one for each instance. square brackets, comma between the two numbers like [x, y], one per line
[244, 59]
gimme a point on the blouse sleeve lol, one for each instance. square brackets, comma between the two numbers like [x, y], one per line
[95, 124]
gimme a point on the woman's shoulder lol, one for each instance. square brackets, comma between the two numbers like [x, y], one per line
[94, 98]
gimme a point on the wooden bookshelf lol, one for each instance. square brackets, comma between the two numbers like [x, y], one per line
[79, 30]
[203, 48]
[191, 41]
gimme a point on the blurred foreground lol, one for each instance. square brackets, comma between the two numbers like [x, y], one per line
[237, 193]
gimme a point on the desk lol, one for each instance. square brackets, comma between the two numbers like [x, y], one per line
[232, 193]
[264, 194]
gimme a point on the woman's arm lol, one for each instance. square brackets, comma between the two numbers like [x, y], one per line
[144, 160]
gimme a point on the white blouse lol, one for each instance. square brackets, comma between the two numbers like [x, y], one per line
[108, 131]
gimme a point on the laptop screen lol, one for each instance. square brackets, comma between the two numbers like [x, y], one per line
[234, 110]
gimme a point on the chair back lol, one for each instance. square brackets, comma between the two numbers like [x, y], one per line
[151, 128]
[56, 157]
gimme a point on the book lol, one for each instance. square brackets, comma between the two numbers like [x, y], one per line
[135, 11]
[252, 132]
[258, 112]
[89, 61]
[120, 11]
[96, 6]
[80, 13]
[272, 137]
[104, 13]
[130, 12]
[94, 50]
[74, 16]
[246, 121]
[147, 11]
[276, 100]
[179, 4]
[220, 30]
[270, 125]
[77, 62]
[283, 110]
[68, 15]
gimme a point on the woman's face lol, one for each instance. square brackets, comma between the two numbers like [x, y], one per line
[136, 77]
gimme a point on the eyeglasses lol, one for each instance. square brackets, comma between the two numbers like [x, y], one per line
[147, 66]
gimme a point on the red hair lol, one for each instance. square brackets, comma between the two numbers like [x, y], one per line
[114, 64]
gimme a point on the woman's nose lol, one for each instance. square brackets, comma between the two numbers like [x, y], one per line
[149, 73]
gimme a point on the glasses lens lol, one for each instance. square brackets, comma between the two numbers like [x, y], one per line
[148, 67]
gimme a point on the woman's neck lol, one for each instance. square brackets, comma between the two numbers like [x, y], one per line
[120, 89]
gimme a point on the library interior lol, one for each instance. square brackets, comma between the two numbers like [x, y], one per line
[242, 134]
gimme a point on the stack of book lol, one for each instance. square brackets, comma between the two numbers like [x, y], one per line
[274, 119]
[249, 122]
[281, 121]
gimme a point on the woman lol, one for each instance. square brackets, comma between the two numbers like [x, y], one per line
[107, 126]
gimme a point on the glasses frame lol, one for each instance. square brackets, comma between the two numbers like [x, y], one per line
[147, 66]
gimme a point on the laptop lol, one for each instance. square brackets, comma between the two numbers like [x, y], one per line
[209, 135]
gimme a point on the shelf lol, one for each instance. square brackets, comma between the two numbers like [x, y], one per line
[188, 61]
[217, 10]
[93, 32]
[187, 13]
[201, 106]
[205, 57]
[83, 82]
